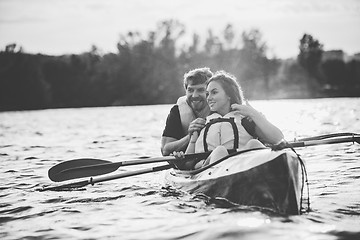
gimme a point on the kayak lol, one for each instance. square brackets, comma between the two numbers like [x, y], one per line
[262, 178]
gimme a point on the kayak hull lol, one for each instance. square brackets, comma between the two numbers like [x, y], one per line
[261, 178]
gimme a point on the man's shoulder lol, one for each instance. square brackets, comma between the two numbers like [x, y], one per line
[174, 111]
[174, 108]
[173, 126]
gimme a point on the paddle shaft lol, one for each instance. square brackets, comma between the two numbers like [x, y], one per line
[194, 156]
[94, 180]
[145, 161]
[327, 136]
[352, 139]
[114, 166]
[355, 138]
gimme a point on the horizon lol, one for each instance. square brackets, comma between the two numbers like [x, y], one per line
[60, 27]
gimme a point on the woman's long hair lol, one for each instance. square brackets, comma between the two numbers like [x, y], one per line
[230, 86]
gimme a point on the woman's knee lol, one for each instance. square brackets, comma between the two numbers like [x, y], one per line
[218, 153]
[254, 143]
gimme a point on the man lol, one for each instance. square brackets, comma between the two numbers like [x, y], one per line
[189, 113]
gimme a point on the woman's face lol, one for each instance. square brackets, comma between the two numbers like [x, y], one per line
[217, 99]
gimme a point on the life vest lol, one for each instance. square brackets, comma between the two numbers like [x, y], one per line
[222, 130]
[187, 114]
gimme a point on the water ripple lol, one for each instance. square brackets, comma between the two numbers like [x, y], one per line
[142, 207]
[90, 200]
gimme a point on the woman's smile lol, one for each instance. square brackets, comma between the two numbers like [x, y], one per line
[211, 103]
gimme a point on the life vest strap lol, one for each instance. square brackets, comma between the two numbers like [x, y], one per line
[219, 120]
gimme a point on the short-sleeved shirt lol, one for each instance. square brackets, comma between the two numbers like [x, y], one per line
[173, 127]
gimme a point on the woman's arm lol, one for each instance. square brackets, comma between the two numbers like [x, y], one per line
[191, 147]
[266, 131]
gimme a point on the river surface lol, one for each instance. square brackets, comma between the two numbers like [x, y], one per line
[142, 207]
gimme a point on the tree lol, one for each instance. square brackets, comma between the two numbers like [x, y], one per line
[253, 45]
[212, 46]
[335, 72]
[229, 36]
[255, 68]
[22, 85]
[310, 55]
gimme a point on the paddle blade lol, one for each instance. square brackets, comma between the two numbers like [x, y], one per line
[73, 169]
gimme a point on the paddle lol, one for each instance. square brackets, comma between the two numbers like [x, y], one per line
[92, 181]
[331, 135]
[354, 138]
[87, 167]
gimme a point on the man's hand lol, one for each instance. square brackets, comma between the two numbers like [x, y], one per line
[196, 125]
[178, 155]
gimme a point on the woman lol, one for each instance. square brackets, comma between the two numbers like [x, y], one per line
[232, 124]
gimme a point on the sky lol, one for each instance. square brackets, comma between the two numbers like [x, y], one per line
[57, 27]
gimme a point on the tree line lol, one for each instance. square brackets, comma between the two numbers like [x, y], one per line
[149, 70]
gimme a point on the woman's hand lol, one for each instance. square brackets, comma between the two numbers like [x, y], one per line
[264, 129]
[245, 110]
[194, 137]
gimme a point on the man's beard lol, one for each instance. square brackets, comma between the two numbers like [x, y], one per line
[197, 104]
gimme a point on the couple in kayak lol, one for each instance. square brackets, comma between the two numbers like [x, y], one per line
[214, 116]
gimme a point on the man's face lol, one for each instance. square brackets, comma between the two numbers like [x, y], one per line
[196, 96]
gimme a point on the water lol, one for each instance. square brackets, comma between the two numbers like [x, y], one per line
[141, 207]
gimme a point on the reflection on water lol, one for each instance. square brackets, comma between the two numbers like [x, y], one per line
[140, 207]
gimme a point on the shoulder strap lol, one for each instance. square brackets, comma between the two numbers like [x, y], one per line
[218, 120]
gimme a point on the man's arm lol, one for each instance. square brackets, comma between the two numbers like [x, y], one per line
[170, 144]
[173, 137]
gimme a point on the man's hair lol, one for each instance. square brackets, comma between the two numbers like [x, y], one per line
[230, 86]
[197, 76]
